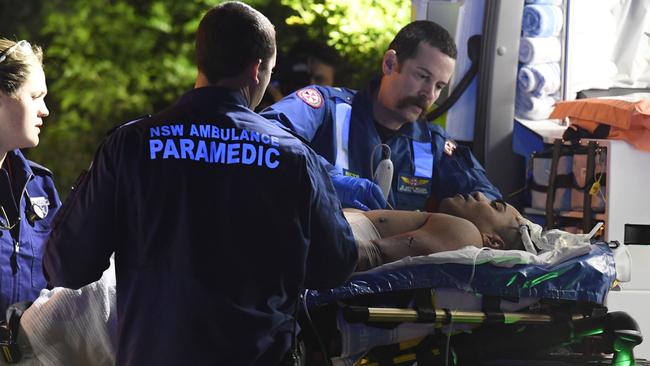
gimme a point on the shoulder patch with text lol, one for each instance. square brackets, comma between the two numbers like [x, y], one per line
[311, 97]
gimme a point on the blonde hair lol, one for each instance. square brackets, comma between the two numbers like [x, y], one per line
[14, 69]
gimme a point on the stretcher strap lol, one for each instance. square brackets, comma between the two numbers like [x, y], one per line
[494, 318]
[424, 354]
[587, 219]
[550, 190]
[490, 303]
[424, 306]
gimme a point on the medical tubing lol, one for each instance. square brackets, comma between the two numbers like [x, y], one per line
[319, 340]
[471, 277]
[488, 316]
[447, 347]
[451, 320]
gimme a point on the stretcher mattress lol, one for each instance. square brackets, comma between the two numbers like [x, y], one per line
[587, 277]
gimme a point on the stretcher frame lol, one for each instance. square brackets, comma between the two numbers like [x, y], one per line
[501, 335]
[570, 312]
[620, 332]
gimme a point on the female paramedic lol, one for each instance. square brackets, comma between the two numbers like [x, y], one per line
[28, 198]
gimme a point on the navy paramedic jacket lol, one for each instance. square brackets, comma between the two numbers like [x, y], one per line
[338, 124]
[217, 220]
[30, 201]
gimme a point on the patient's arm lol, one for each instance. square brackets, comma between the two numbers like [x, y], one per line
[408, 233]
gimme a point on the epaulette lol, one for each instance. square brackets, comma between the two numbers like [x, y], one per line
[437, 130]
[110, 132]
[38, 167]
[342, 93]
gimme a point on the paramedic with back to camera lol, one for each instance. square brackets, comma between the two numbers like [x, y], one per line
[175, 195]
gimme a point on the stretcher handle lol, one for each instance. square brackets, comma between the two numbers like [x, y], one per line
[362, 314]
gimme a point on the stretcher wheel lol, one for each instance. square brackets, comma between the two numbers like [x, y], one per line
[626, 335]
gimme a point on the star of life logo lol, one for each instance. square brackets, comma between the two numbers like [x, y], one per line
[311, 97]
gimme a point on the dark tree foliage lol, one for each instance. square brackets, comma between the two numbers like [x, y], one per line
[110, 61]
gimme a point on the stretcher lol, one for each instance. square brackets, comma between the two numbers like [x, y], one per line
[460, 314]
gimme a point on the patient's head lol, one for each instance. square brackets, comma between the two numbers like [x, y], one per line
[497, 221]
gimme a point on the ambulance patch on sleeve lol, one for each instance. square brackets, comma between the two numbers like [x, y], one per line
[311, 96]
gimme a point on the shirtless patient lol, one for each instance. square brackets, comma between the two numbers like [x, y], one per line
[384, 236]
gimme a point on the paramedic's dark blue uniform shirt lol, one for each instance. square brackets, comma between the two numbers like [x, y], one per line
[422, 167]
[212, 213]
[24, 188]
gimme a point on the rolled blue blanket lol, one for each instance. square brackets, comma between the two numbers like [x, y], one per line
[542, 20]
[540, 79]
[547, 2]
[531, 107]
[539, 50]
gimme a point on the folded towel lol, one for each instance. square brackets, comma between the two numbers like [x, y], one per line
[540, 79]
[540, 50]
[542, 20]
[530, 107]
[546, 2]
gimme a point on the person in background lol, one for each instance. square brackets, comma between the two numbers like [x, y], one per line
[217, 218]
[354, 131]
[28, 197]
[309, 62]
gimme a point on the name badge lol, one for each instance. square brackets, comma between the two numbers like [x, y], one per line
[348, 173]
[40, 206]
[414, 185]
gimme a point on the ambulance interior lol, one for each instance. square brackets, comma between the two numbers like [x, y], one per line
[604, 52]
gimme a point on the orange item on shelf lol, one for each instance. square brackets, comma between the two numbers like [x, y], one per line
[629, 121]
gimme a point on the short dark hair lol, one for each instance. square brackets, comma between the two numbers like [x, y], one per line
[408, 39]
[511, 238]
[230, 37]
[295, 72]
[310, 48]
